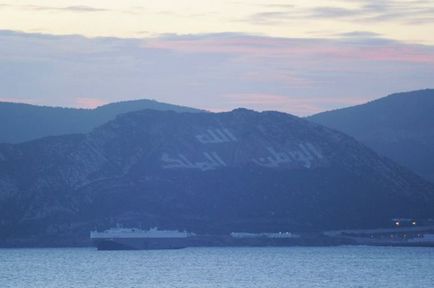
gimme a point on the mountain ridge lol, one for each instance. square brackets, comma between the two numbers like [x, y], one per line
[398, 126]
[206, 172]
[21, 122]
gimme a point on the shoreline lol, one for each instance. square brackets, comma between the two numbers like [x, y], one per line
[422, 236]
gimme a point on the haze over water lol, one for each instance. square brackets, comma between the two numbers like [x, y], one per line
[219, 267]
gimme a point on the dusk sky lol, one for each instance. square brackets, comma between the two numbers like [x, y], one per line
[300, 57]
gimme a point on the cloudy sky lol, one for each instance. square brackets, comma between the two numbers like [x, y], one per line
[299, 57]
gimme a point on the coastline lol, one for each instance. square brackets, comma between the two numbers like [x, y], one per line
[417, 236]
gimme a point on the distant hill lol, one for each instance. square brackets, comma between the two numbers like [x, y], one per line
[24, 122]
[399, 126]
[204, 172]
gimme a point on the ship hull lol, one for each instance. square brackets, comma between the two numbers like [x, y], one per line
[209, 241]
[140, 243]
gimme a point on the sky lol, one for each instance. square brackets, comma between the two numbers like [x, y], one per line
[300, 57]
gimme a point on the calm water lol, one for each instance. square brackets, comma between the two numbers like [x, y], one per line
[219, 267]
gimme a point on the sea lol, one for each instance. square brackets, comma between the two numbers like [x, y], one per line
[273, 267]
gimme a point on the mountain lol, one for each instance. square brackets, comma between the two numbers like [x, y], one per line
[24, 122]
[204, 172]
[399, 126]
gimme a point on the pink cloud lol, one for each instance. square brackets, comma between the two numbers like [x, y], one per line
[89, 103]
[276, 76]
[249, 46]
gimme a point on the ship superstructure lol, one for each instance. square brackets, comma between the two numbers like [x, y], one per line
[138, 233]
[138, 239]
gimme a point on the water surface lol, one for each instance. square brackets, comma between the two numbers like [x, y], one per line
[350, 266]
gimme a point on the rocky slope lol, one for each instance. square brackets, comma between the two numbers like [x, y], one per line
[399, 126]
[205, 172]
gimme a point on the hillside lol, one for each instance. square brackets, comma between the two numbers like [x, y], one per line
[206, 172]
[399, 126]
[24, 122]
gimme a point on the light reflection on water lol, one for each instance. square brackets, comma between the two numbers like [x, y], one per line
[348, 266]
